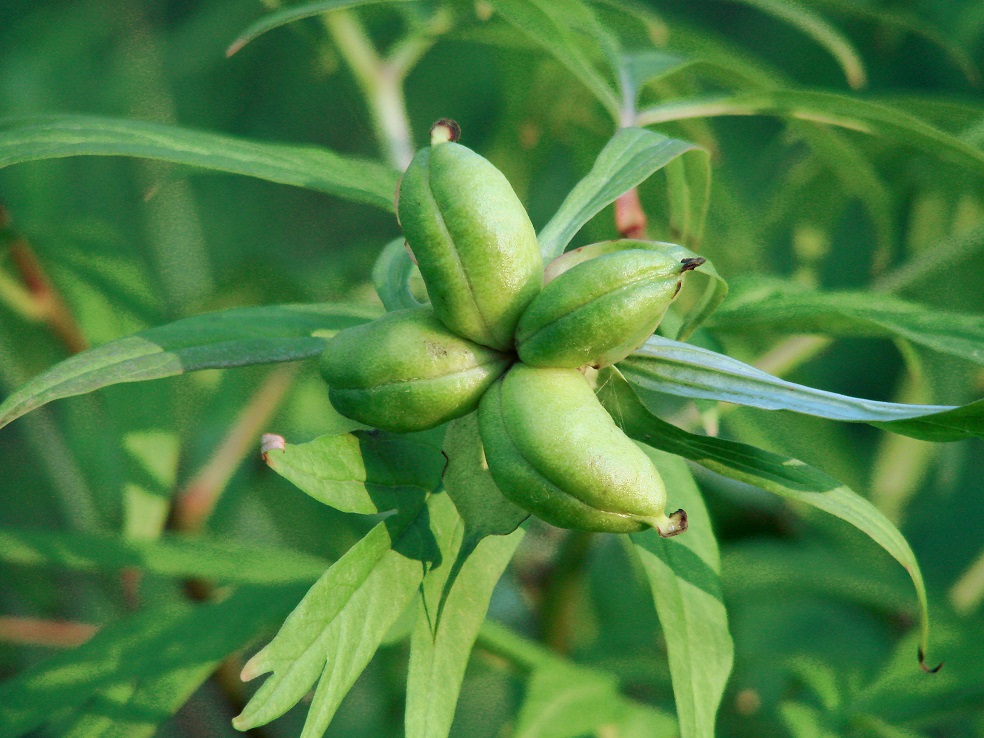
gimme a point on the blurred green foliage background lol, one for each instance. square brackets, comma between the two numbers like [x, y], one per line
[819, 615]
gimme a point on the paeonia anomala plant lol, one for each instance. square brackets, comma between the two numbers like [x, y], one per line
[524, 383]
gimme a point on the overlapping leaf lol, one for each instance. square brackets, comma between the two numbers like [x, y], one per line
[783, 308]
[158, 641]
[628, 159]
[335, 630]
[663, 365]
[783, 476]
[363, 472]
[683, 573]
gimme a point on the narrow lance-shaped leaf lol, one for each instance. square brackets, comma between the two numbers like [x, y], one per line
[774, 473]
[292, 13]
[171, 556]
[315, 168]
[238, 337]
[152, 642]
[785, 308]
[560, 27]
[628, 159]
[363, 472]
[675, 368]
[820, 30]
[826, 107]
[683, 574]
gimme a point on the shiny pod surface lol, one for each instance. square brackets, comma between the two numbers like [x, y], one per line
[599, 311]
[407, 372]
[472, 240]
[554, 450]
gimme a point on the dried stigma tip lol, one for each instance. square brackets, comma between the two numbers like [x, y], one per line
[445, 130]
[270, 442]
[673, 524]
[926, 667]
[691, 263]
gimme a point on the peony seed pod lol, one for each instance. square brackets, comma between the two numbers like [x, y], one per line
[407, 372]
[472, 240]
[552, 449]
[601, 310]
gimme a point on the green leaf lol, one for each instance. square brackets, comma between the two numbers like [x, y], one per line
[363, 472]
[137, 709]
[684, 575]
[173, 556]
[238, 337]
[783, 308]
[391, 277]
[469, 484]
[156, 641]
[789, 478]
[315, 168]
[455, 597]
[283, 16]
[337, 627]
[816, 27]
[826, 107]
[568, 30]
[563, 701]
[675, 368]
[628, 159]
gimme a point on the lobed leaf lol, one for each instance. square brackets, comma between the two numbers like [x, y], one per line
[454, 599]
[469, 484]
[684, 575]
[789, 478]
[363, 472]
[628, 159]
[238, 337]
[171, 556]
[663, 365]
[312, 167]
[335, 630]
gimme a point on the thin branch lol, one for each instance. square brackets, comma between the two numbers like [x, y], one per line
[39, 300]
[195, 503]
[49, 633]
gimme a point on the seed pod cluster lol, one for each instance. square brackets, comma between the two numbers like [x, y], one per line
[496, 338]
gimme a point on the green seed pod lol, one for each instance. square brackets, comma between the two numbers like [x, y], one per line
[471, 238]
[554, 450]
[601, 310]
[407, 372]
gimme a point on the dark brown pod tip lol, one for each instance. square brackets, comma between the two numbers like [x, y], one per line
[678, 524]
[926, 667]
[445, 130]
[692, 263]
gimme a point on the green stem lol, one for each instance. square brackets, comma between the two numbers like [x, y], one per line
[381, 82]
